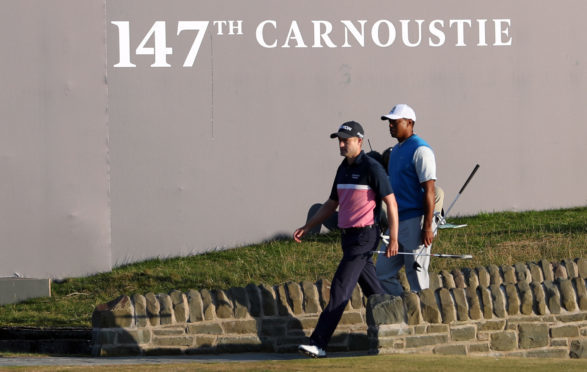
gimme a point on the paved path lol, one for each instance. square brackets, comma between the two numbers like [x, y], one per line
[88, 361]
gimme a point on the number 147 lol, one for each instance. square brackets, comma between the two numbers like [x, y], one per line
[159, 50]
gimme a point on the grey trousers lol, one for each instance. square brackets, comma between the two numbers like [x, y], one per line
[410, 240]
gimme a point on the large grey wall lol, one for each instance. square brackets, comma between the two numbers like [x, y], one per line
[136, 162]
[55, 211]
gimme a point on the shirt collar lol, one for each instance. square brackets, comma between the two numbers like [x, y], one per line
[407, 139]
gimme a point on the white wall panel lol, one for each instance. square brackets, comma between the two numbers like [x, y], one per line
[105, 165]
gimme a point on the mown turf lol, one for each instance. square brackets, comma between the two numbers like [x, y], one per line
[404, 363]
[492, 238]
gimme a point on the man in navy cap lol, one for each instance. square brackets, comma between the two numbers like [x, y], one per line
[359, 187]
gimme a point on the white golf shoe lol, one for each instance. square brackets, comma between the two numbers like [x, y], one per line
[312, 351]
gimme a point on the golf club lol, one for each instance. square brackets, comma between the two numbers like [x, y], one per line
[441, 255]
[385, 239]
[461, 190]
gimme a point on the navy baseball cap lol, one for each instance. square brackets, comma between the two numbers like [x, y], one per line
[348, 130]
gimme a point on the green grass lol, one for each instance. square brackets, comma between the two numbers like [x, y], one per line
[492, 238]
[508, 237]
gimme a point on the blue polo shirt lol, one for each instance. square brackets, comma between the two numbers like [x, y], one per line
[358, 188]
[404, 178]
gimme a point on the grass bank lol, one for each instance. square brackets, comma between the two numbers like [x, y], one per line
[492, 238]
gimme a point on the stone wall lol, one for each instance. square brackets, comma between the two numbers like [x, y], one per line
[533, 309]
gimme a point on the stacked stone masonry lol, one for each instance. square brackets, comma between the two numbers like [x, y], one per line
[538, 309]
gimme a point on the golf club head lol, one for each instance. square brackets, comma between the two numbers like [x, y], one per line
[439, 219]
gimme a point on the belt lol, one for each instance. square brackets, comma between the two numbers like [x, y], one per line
[350, 230]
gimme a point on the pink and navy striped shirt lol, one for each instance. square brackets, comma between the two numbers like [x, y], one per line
[358, 188]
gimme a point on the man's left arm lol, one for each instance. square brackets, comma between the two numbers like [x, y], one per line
[392, 217]
[380, 184]
[425, 163]
[428, 228]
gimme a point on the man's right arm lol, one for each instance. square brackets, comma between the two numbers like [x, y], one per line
[325, 211]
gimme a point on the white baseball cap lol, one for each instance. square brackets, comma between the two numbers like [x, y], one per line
[401, 111]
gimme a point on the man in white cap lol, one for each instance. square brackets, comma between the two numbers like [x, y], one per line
[412, 174]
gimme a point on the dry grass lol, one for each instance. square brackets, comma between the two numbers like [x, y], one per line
[497, 238]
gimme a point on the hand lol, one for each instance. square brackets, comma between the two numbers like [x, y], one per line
[299, 233]
[427, 237]
[392, 248]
